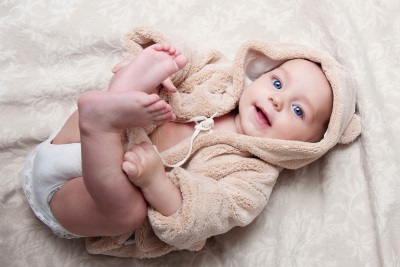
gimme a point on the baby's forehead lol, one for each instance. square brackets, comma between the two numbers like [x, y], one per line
[263, 64]
[307, 75]
[301, 62]
[304, 69]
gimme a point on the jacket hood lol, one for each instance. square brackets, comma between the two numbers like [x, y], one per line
[255, 58]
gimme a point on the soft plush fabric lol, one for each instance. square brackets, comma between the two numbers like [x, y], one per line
[341, 210]
[229, 177]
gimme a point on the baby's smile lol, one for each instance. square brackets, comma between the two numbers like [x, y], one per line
[262, 117]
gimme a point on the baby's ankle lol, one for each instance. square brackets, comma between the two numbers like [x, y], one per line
[92, 113]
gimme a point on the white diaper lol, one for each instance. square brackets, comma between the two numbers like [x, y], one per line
[46, 170]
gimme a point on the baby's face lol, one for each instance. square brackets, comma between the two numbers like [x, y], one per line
[291, 102]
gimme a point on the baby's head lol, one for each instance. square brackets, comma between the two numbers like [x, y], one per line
[291, 102]
[302, 99]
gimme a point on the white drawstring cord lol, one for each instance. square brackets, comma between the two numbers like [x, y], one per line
[202, 124]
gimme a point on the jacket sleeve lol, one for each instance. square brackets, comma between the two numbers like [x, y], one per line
[211, 207]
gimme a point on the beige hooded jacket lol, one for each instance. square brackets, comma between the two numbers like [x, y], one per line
[228, 178]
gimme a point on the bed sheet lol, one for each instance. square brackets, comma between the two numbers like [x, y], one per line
[343, 210]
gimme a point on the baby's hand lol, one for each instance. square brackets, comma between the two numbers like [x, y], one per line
[125, 62]
[145, 169]
[143, 166]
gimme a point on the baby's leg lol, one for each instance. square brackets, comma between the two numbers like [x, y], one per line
[104, 201]
[151, 67]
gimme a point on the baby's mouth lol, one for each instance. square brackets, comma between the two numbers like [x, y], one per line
[262, 117]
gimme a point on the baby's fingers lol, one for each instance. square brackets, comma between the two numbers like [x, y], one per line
[131, 170]
[133, 164]
[122, 64]
[169, 86]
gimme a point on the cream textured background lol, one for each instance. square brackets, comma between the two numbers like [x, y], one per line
[343, 210]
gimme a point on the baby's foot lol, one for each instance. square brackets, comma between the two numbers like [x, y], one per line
[151, 67]
[114, 111]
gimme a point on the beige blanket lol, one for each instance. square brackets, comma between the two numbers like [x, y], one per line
[343, 210]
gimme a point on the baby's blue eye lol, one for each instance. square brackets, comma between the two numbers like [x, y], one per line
[277, 83]
[298, 111]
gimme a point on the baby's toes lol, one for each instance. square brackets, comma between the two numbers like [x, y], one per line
[157, 106]
[163, 47]
[165, 117]
[162, 109]
[181, 60]
[144, 99]
[172, 51]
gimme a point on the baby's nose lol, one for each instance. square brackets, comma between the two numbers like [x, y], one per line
[276, 101]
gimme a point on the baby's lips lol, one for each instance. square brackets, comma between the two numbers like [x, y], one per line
[263, 116]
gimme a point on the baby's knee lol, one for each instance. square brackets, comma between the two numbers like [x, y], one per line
[139, 215]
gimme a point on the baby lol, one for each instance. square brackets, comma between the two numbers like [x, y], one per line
[110, 195]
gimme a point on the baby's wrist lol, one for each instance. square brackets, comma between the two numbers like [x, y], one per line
[163, 195]
[154, 184]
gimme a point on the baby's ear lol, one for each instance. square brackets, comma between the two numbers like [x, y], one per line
[352, 131]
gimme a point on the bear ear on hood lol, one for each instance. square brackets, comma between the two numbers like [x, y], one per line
[260, 65]
[352, 131]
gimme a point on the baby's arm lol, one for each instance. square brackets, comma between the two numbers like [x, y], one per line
[214, 206]
[145, 169]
